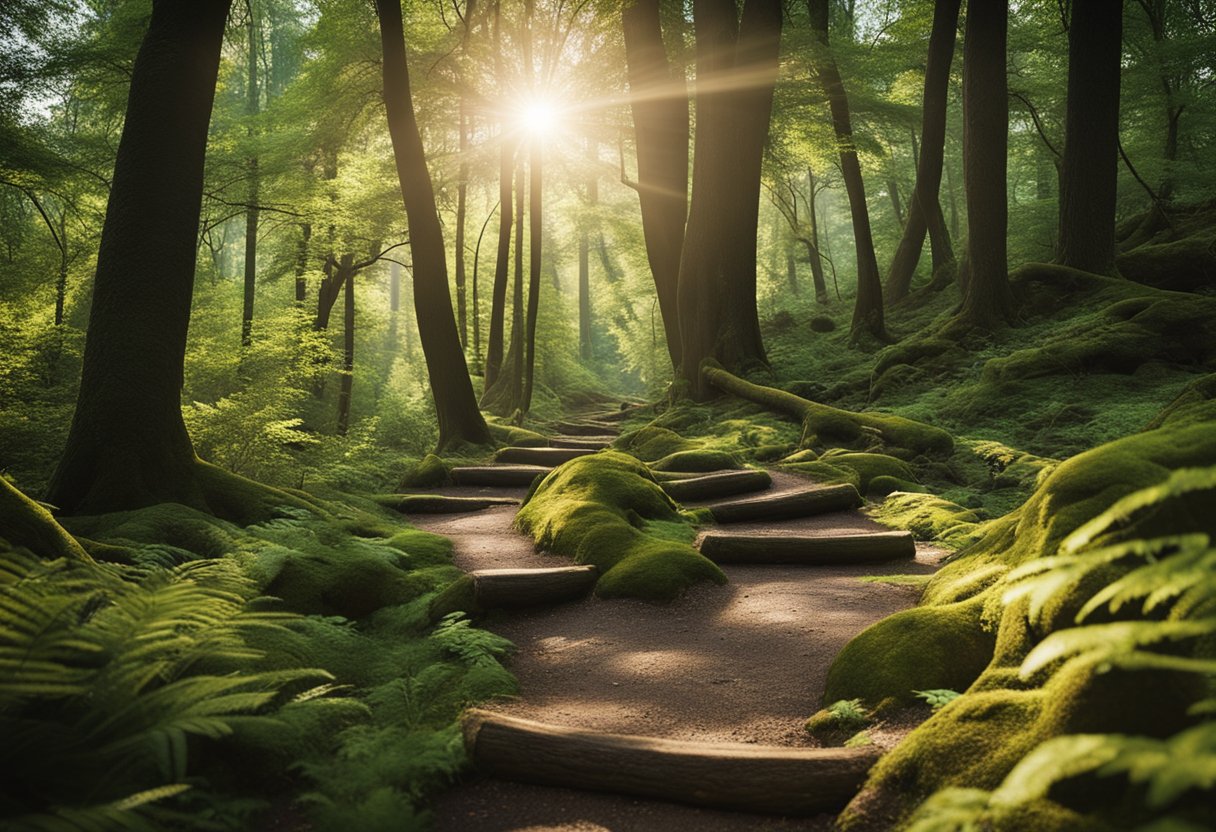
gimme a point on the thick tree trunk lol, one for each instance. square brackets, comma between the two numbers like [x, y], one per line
[1091, 139]
[251, 208]
[717, 286]
[462, 193]
[535, 253]
[346, 387]
[128, 446]
[337, 272]
[925, 213]
[987, 301]
[659, 103]
[868, 310]
[455, 405]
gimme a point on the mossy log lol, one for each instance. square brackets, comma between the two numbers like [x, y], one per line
[513, 476]
[491, 589]
[440, 503]
[820, 550]
[739, 776]
[674, 476]
[595, 443]
[803, 503]
[587, 428]
[723, 484]
[25, 523]
[822, 420]
[550, 457]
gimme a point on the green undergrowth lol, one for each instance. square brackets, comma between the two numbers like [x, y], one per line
[1082, 628]
[208, 675]
[607, 510]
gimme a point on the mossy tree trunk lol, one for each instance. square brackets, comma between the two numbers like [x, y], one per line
[987, 300]
[128, 446]
[1089, 186]
[925, 213]
[455, 404]
[659, 102]
[868, 309]
[31, 526]
[716, 295]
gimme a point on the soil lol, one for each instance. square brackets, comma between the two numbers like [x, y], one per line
[744, 662]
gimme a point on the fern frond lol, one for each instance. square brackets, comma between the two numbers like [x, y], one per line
[1107, 641]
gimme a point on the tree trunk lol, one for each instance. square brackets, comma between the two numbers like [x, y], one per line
[659, 103]
[868, 311]
[535, 253]
[502, 268]
[455, 405]
[1091, 139]
[128, 446]
[346, 387]
[251, 208]
[925, 211]
[717, 285]
[987, 301]
[394, 305]
[477, 363]
[462, 192]
[584, 295]
[897, 206]
[791, 269]
[61, 281]
[302, 263]
[821, 286]
[337, 272]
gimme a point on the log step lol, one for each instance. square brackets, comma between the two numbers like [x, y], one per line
[498, 475]
[821, 550]
[803, 503]
[548, 457]
[586, 428]
[595, 443]
[739, 776]
[722, 484]
[440, 503]
[491, 589]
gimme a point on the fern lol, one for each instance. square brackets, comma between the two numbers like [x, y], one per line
[937, 698]
[456, 635]
[1120, 643]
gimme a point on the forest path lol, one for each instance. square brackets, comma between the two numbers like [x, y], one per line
[745, 662]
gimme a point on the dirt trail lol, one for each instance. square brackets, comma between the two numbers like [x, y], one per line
[745, 662]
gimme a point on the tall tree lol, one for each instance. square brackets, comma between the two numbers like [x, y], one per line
[736, 72]
[502, 268]
[659, 102]
[987, 301]
[868, 311]
[535, 246]
[1088, 188]
[925, 213]
[128, 446]
[455, 405]
[251, 207]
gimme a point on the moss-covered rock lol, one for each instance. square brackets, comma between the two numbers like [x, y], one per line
[607, 510]
[514, 436]
[167, 524]
[430, 472]
[696, 461]
[651, 443]
[929, 517]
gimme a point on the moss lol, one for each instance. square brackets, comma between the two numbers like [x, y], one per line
[421, 549]
[652, 443]
[1181, 265]
[826, 472]
[697, 461]
[806, 455]
[430, 472]
[772, 453]
[168, 524]
[917, 649]
[601, 509]
[242, 501]
[459, 596]
[1196, 403]
[884, 485]
[929, 517]
[27, 524]
[870, 466]
[515, 436]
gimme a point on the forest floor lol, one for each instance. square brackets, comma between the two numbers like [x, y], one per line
[744, 662]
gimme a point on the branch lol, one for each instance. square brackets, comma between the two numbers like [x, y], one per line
[1038, 125]
[625, 180]
[364, 264]
[34, 199]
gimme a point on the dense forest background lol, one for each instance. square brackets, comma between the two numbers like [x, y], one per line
[983, 290]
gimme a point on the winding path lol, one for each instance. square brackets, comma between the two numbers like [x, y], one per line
[742, 663]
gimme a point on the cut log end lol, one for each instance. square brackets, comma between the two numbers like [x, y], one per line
[817, 550]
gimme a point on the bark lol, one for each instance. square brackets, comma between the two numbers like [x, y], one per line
[455, 404]
[987, 301]
[897, 205]
[717, 285]
[1091, 137]
[721, 484]
[251, 208]
[504, 396]
[820, 550]
[868, 310]
[128, 446]
[337, 272]
[925, 211]
[659, 103]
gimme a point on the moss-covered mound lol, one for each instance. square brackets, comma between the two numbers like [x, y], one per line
[698, 461]
[652, 443]
[430, 472]
[868, 472]
[607, 510]
[929, 517]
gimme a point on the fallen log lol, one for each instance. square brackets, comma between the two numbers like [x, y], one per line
[595, 443]
[740, 776]
[820, 550]
[549, 457]
[491, 589]
[722, 484]
[440, 503]
[804, 503]
[587, 428]
[497, 475]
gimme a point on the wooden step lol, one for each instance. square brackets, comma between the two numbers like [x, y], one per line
[549, 457]
[803, 503]
[587, 428]
[491, 589]
[595, 443]
[672, 476]
[721, 484]
[740, 776]
[498, 475]
[440, 503]
[811, 550]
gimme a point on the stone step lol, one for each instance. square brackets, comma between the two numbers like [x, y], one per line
[719, 484]
[810, 550]
[739, 776]
[440, 503]
[806, 502]
[488, 589]
[498, 475]
[587, 428]
[595, 443]
[549, 457]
